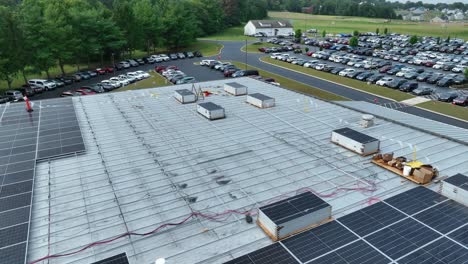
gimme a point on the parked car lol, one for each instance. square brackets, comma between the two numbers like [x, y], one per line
[181, 55]
[423, 91]
[187, 79]
[408, 86]
[447, 97]
[27, 90]
[189, 54]
[95, 88]
[206, 62]
[363, 76]
[83, 75]
[346, 71]
[44, 84]
[85, 91]
[228, 72]
[115, 84]
[140, 61]
[58, 83]
[396, 83]
[4, 99]
[384, 81]
[245, 73]
[461, 100]
[14, 95]
[375, 78]
[173, 56]
[91, 73]
[445, 82]
[197, 54]
[124, 64]
[101, 71]
[133, 63]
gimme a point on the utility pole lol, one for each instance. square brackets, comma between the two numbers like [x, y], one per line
[246, 52]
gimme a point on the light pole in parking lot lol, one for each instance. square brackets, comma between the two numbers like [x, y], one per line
[246, 52]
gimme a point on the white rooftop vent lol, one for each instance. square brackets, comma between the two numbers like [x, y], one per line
[456, 188]
[264, 25]
[235, 88]
[367, 121]
[210, 110]
[185, 96]
[281, 24]
[292, 215]
[260, 100]
[355, 141]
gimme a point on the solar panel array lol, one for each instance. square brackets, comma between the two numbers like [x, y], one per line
[417, 226]
[355, 135]
[293, 207]
[59, 132]
[19, 148]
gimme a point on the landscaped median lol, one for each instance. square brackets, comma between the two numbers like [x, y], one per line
[355, 84]
[155, 80]
[294, 85]
[446, 109]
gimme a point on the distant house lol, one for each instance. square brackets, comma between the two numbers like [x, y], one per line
[417, 18]
[268, 27]
[437, 20]
[459, 16]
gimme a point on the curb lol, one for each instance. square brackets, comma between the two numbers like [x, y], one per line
[390, 99]
[442, 114]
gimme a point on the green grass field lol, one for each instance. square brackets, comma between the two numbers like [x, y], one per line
[447, 109]
[294, 85]
[253, 48]
[337, 24]
[359, 85]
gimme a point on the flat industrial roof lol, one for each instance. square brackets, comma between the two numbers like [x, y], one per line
[151, 161]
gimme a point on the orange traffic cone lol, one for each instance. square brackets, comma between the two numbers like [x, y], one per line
[28, 104]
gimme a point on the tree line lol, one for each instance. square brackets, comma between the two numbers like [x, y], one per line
[36, 35]
[367, 8]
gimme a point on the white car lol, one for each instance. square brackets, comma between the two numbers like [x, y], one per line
[127, 78]
[290, 59]
[144, 74]
[164, 57]
[384, 81]
[156, 58]
[135, 76]
[206, 62]
[347, 71]
[122, 81]
[320, 66]
[115, 84]
[44, 84]
[459, 68]
[275, 55]
[124, 64]
[310, 64]
[223, 64]
[439, 65]
[283, 57]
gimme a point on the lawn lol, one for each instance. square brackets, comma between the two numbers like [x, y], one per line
[359, 85]
[294, 85]
[233, 33]
[338, 24]
[253, 48]
[155, 80]
[447, 109]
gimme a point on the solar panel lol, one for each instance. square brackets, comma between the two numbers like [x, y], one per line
[117, 259]
[401, 238]
[293, 207]
[315, 242]
[355, 135]
[274, 253]
[461, 235]
[444, 217]
[459, 180]
[371, 218]
[440, 251]
[18, 153]
[59, 132]
[358, 252]
[415, 200]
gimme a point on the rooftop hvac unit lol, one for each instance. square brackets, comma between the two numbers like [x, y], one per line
[355, 141]
[290, 216]
[210, 110]
[235, 88]
[260, 100]
[456, 188]
[185, 96]
[367, 121]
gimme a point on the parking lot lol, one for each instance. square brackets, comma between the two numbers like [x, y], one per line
[334, 53]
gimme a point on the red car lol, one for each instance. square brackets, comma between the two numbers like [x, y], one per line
[70, 93]
[160, 68]
[230, 71]
[461, 100]
[101, 71]
[309, 53]
[262, 49]
[85, 91]
[385, 69]
[429, 64]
